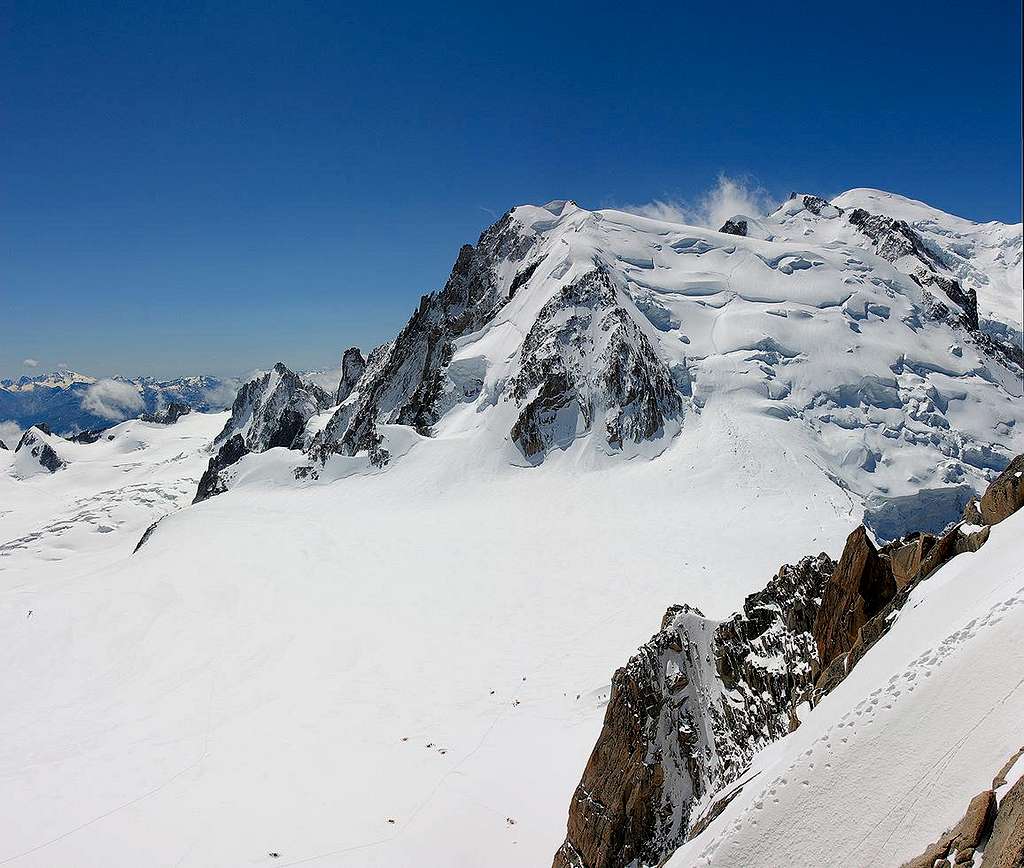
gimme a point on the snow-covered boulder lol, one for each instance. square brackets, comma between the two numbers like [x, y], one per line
[36, 453]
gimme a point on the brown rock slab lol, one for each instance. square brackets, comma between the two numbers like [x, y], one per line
[1005, 847]
[1005, 494]
[860, 587]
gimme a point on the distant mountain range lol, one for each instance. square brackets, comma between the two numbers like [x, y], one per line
[69, 401]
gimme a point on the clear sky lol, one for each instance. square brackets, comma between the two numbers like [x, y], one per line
[211, 187]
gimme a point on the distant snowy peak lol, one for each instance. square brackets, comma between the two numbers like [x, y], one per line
[60, 379]
[71, 402]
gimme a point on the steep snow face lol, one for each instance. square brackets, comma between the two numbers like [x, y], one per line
[986, 257]
[936, 703]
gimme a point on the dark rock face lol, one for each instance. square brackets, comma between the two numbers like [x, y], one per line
[1005, 494]
[352, 366]
[860, 587]
[33, 441]
[211, 482]
[273, 409]
[734, 227]
[3, 445]
[167, 415]
[404, 382]
[817, 205]
[87, 436]
[585, 358]
[149, 532]
[269, 411]
[685, 716]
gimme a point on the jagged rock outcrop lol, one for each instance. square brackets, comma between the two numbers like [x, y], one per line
[352, 367]
[273, 409]
[404, 381]
[685, 716]
[33, 444]
[1005, 495]
[88, 436]
[899, 243]
[734, 227]
[212, 482]
[3, 445]
[168, 414]
[689, 710]
[270, 411]
[860, 587]
[586, 360]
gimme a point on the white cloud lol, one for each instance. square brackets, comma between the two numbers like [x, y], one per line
[729, 196]
[112, 399]
[10, 433]
[30, 363]
[222, 395]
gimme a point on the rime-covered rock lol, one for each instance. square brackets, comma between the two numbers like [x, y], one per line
[270, 411]
[685, 716]
[585, 361]
[168, 414]
[273, 409]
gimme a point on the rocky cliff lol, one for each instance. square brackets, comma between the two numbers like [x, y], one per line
[687, 712]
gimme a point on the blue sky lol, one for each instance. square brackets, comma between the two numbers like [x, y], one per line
[212, 187]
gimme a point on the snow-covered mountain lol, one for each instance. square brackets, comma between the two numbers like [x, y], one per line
[385, 634]
[70, 402]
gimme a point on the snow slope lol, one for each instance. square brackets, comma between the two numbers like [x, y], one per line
[95, 509]
[985, 256]
[243, 684]
[891, 758]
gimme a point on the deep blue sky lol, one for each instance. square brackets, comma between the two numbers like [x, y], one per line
[211, 187]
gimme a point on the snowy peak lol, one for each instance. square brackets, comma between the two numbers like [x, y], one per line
[59, 379]
[35, 453]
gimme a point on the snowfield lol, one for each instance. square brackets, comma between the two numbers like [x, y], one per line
[245, 682]
[339, 663]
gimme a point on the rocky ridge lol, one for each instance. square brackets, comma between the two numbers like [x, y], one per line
[689, 710]
[271, 410]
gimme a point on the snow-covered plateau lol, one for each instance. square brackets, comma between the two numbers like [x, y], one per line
[375, 622]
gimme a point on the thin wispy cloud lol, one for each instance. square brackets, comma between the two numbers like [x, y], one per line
[30, 363]
[728, 197]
